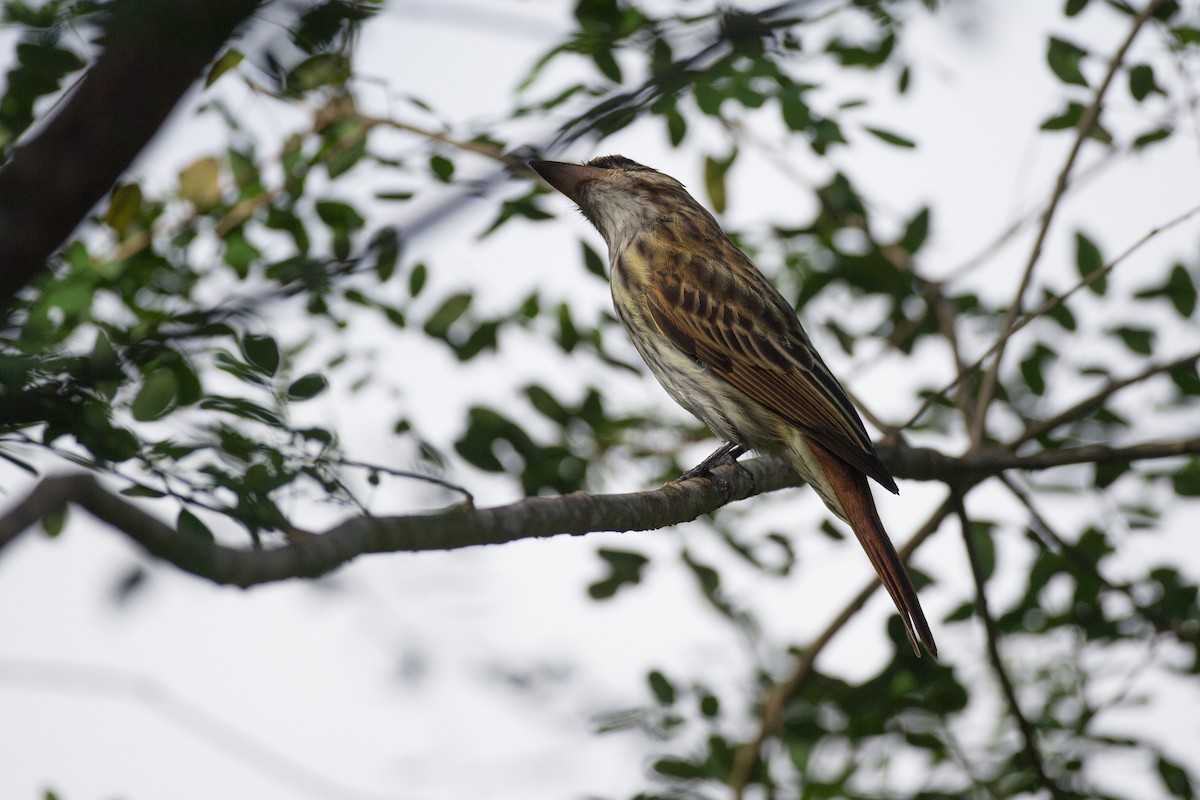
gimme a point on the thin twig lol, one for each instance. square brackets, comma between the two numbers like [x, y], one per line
[1050, 304]
[1044, 426]
[1028, 735]
[1087, 120]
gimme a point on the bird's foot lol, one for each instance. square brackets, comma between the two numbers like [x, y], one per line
[725, 454]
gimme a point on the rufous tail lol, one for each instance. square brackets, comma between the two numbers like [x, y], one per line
[851, 489]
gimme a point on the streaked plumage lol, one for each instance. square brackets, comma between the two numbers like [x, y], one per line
[728, 347]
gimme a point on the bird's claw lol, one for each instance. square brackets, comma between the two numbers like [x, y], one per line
[726, 453]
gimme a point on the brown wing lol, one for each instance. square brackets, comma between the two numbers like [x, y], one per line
[750, 337]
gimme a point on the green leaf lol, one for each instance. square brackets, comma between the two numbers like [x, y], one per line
[416, 279]
[661, 688]
[1064, 120]
[1176, 779]
[1186, 378]
[239, 252]
[916, 232]
[1089, 260]
[307, 387]
[963, 612]
[228, 60]
[985, 548]
[891, 138]
[447, 314]
[262, 352]
[188, 524]
[442, 168]
[678, 768]
[1141, 82]
[593, 262]
[1032, 368]
[624, 569]
[1152, 137]
[322, 69]
[676, 126]
[1065, 59]
[339, 216]
[54, 522]
[156, 397]
[1139, 340]
[1107, 472]
[1073, 7]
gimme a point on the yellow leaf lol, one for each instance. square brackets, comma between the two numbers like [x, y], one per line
[199, 183]
[123, 207]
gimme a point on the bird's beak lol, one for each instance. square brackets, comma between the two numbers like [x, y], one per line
[567, 178]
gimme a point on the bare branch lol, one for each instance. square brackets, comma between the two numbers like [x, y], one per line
[463, 525]
[926, 464]
[453, 527]
[1093, 402]
[1050, 304]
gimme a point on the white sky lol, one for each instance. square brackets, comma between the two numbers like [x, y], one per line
[478, 673]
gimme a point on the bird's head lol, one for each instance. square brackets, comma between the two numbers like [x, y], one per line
[618, 195]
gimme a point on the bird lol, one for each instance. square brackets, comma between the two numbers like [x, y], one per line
[729, 348]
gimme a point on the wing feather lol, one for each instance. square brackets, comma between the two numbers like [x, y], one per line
[752, 340]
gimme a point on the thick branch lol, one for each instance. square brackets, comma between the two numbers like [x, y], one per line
[450, 528]
[154, 50]
[462, 525]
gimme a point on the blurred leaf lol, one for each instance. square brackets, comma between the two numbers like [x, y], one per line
[1176, 779]
[307, 386]
[262, 352]
[1139, 340]
[593, 262]
[199, 183]
[714, 180]
[1141, 82]
[55, 522]
[449, 312]
[322, 69]
[1065, 59]
[1089, 260]
[442, 168]
[894, 139]
[156, 397]
[123, 207]
[188, 524]
[661, 688]
[624, 569]
[228, 60]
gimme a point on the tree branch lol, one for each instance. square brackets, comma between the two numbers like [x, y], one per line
[1086, 121]
[153, 51]
[453, 527]
[463, 525]
[1028, 735]
[1093, 402]
[1050, 304]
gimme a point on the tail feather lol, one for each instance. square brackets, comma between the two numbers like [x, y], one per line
[854, 495]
